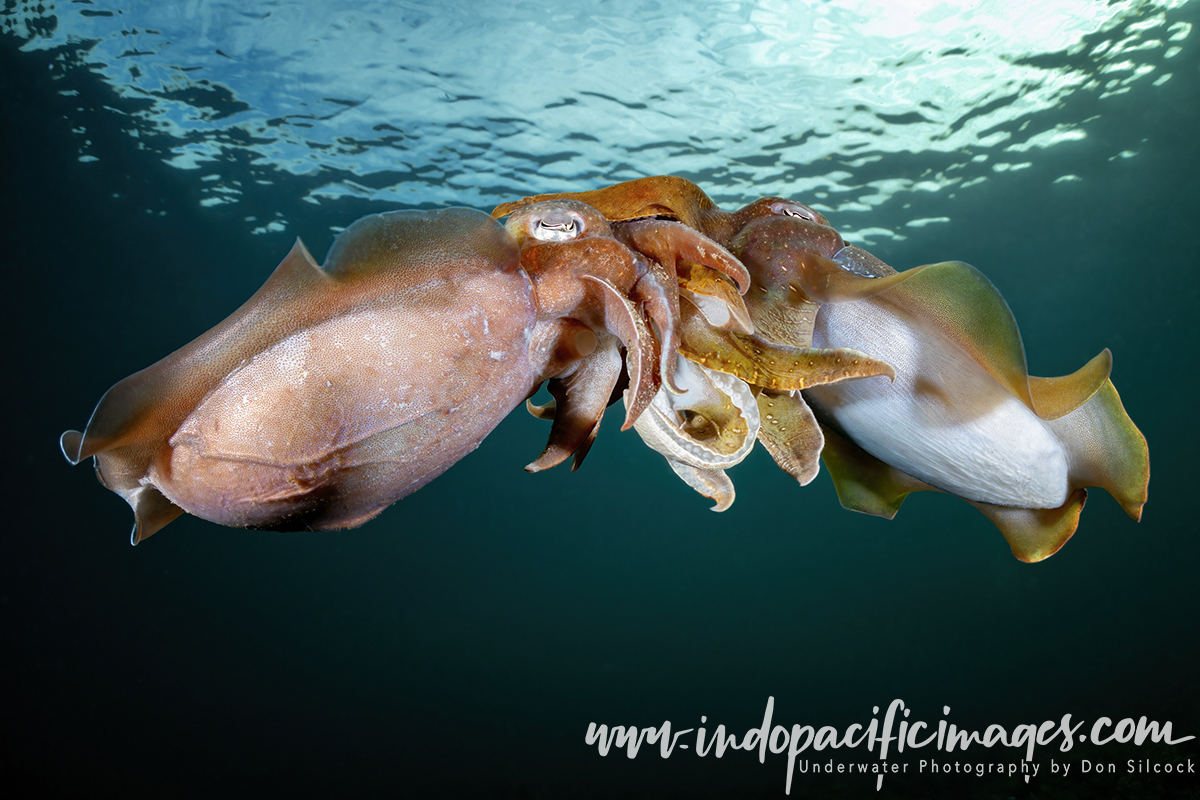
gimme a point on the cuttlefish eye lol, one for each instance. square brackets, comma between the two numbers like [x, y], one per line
[558, 226]
[786, 209]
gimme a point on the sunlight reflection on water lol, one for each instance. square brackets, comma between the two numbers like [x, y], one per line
[472, 103]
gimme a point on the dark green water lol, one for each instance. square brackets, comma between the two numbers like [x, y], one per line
[462, 642]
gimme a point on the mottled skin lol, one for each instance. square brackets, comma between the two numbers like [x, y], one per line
[336, 390]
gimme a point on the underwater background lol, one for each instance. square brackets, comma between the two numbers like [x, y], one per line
[159, 160]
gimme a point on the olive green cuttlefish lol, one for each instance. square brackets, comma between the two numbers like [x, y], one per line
[918, 378]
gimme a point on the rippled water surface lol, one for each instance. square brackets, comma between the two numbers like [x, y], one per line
[471, 103]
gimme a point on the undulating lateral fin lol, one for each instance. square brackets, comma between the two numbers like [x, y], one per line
[963, 305]
[1106, 449]
[712, 483]
[134, 408]
[1036, 533]
[151, 513]
[70, 443]
[863, 482]
[790, 433]
[378, 243]
[1057, 397]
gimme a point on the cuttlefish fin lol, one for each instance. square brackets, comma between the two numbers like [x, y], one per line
[790, 433]
[1106, 449]
[138, 409]
[1036, 533]
[626, 321]
[766, 364]
[960, 303]
[658, 196]
[863, 482]
[712, 483]
[151, 509]
[580, 398]
[866, 484]
[1057, 397]
[151, 513]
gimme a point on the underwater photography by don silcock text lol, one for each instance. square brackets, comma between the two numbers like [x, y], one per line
[741, 399]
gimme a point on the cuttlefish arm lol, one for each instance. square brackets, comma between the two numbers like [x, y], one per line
[582, 393]
[963, 415]
[764, 363]
[791, 434]
[868, 485]
[620, 279]
[668, 247]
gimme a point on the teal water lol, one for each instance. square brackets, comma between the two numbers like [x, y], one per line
[160, 162]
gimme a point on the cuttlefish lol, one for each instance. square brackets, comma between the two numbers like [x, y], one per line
[941, 397]
[964, 416]
[338, 389]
